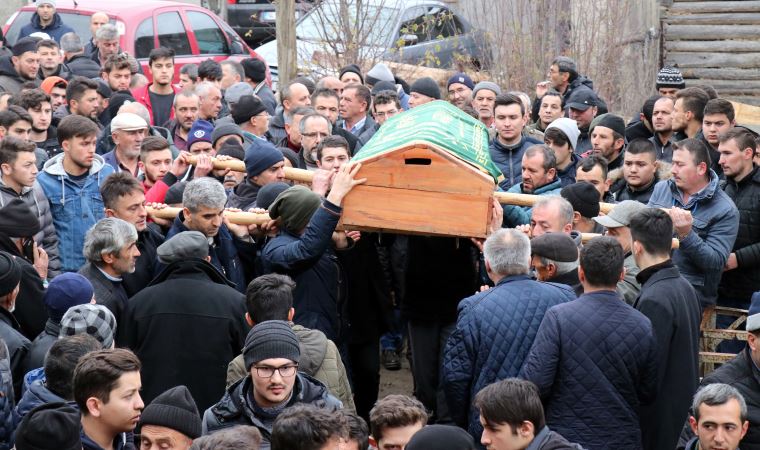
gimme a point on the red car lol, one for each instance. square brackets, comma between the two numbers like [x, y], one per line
[195, 33]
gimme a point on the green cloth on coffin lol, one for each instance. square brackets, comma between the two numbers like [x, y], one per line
[439, 123]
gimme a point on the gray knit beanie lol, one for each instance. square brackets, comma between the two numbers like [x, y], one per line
[271, 339]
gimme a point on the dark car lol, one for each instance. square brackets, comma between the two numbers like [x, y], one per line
[254, 20]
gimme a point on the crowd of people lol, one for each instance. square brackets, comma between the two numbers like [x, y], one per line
[122, 329]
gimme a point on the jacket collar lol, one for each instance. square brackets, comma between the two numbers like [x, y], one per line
[539, 439]
[193, 266]
[512, 278]
[555, 184]
[705, 194]
[7, 317]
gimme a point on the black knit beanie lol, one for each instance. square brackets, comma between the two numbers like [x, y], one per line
[584, 197]
[426, 86]
[174, 409]
[10, 273]
[271, 339]
[441, 437]
[18, 220]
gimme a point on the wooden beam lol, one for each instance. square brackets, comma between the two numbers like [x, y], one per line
[287, 66]
[732, 18]
[694, 7]
[585, 237]
[727, 73]
[707, 32]
[685, 59]
[727, 46]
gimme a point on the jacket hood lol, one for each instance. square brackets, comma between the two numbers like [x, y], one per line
[37, 394]
[663, 172]
[54, 166]
[7, 69]
[313, 348]
[583, 80]
[5, 188]
[245, 192]
[56, 23]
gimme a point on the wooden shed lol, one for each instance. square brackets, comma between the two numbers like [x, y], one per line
[428, 172]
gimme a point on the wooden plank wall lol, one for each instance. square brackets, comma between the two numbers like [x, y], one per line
[716, 43]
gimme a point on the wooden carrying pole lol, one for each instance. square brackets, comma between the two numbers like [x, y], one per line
[585, 237]
[306, 176]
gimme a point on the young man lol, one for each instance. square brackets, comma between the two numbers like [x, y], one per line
[17, 345]
[273, 384]
[513, 418]
[256, 75]
[170, 421]
[509, 145]
[117, 72]
[55, 87]
[718, 119]
[124, 198]
[673, 308]
[705, 219]
[639, 173]
[561, 136]
[483, 97]
[18, 173]
[188, 77]
[550, 110]
[128, 131]
[593, 169]
[539, 177]
[585, 200]
[45, 20]
[332, 153]
[471, 362]
[608, 139]
[719, 418]
[603, 414]
[306, 427]
[159, 171]
[386, 105]
[662, 125]
[688, 112]
[82, 98]
[51, 60]
[107, 391]
[394, 420]
[270, 297]
[110, 248]
[21, 67]
[43, 134]
[669, 81]
[71, 182]
[158, 96]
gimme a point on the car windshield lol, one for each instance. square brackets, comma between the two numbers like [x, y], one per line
[375, 22]
[79, 22]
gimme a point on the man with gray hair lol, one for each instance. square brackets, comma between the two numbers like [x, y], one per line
[495, 328]
[110, 248]
[210, 100]
[106, 43]
[231, 247]
[75, 58]
[292, 96]
[719, 418]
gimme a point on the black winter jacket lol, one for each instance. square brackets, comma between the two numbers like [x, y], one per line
[83, 66]
[148, 241]
[737, 286]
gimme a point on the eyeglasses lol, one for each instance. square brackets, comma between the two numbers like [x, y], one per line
[315, 134]
[268, 372]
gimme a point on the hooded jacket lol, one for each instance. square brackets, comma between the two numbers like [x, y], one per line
[704, 251]
[34, 197]
[38, 394]
[520, 215]
[84, 66]
[55, 30]
[509, 159]
[198, 317]
[236, 406]
[243, 196]
[277, 134]
[319, 359]
[74, 209]
[10, 80]
[41, 344]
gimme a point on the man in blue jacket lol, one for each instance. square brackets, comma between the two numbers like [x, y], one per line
[495, 328]
[594, 359]
[539, 177]
[509, 145]
[71, 181]
[46, 20]
[705, 218]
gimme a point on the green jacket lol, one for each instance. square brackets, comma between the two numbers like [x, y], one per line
[319, 359]
[628, 287]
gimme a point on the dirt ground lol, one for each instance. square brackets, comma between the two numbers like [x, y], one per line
[396, 381]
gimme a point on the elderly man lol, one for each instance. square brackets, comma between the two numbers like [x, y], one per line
[552, 214]
[210, 97]
[110, 248]
[77, 57]
[203, 207]
[539, 177]
[106, 43]
[292, 96]
[170, 419]
[97, 20]
[313, 128]
[617, 224]
[554, 259]
[172, 309]
[476, 353]
[251, 115]
[354, 110]
[128, 131]
[21, 67]
[705, 218]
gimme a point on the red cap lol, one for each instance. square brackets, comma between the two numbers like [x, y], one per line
[49, 82]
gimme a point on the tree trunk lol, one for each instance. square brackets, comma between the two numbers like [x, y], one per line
[286, 41]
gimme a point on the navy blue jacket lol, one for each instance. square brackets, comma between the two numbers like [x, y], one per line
[228, 254]
[55, 30]
[310, 260]
[704, 251]
[594, 361]
[509, 161]
[494, 332]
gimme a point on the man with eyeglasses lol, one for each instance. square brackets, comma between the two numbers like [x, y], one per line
[313, 127]
[271, 356]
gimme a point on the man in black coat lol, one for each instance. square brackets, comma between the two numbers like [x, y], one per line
[18, 345]
[741, 277]
[194, 313]
[672, 305]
